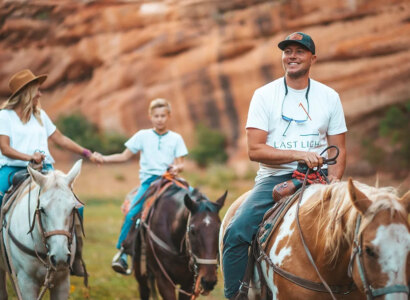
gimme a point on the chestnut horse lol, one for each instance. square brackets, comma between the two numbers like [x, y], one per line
[358, 238]
[181, 244]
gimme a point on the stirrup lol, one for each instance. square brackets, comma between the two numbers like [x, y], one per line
[244, 288]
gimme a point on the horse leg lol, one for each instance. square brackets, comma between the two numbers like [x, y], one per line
[142, 279]
[3, 289]
[142, 282]
[29, 288]
[61, 289]
[166, 289]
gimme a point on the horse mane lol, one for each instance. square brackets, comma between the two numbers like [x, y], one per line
[204, 203]
[336, 224]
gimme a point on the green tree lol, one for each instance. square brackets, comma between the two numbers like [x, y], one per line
[82, 131]
[210, 146]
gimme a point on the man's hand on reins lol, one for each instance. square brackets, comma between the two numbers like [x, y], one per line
[312, 159]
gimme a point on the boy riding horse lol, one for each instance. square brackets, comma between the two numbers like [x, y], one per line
[161, 150]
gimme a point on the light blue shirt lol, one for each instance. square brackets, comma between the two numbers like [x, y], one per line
[158, 152]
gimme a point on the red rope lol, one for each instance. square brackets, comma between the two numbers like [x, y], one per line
[314, 177]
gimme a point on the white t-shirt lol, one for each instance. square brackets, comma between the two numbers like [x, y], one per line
[25, 138]
[310, 123]
[157, 151]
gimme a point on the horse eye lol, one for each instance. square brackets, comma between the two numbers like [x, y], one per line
[370, 252]
[192, 230]
[42, 210]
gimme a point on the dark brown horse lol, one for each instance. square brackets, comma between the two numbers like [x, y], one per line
[180, 240]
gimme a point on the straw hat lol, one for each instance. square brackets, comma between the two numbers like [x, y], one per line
[21, 79]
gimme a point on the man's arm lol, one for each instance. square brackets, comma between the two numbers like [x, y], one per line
[336, 171]
[259, 151]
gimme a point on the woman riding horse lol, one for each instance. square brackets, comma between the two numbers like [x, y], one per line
[25, 130]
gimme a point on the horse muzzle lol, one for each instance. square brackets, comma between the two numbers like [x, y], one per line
[207, 285]
[60, 261]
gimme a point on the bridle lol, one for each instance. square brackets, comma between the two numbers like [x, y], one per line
[194, 260]
[44, 258]
[47, 234]
[357, 255]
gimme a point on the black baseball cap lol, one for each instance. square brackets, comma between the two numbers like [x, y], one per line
[300, 38]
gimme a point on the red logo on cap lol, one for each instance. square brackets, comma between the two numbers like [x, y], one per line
[295, 37]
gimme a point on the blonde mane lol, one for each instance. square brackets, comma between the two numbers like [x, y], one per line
[336, 215]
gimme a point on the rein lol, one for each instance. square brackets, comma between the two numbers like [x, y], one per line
[307, 284]
[194, 259]
[42, 257]
[356, 254]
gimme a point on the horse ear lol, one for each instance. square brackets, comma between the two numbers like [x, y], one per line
[405, 200]
[75, 170]
[38, 178]
[359, 200]
[221, 201]
[190, 204]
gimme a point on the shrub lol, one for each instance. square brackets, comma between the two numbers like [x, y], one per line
[210, 146]
[85, 133]
[388, 147]
[395, 126]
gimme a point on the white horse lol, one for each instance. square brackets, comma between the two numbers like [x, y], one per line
[38, 234]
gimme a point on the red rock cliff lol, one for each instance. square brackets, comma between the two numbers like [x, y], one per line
[108, 59]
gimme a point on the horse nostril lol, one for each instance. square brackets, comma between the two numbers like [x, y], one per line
[53, 260]
[208, 285]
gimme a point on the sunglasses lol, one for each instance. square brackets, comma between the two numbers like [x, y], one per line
[288, 119]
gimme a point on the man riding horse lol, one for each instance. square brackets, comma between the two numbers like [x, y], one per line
[291, 119]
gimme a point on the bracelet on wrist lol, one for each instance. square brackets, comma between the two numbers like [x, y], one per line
[86, 153]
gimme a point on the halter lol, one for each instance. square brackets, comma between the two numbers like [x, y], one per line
[357, 253]
[46, 234]
[193, 258]
[43, 257]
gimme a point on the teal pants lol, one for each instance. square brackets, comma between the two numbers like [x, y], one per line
[6, 177]
[135, 207]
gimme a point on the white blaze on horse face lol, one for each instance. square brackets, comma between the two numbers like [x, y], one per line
[393, 242]
[207, 220]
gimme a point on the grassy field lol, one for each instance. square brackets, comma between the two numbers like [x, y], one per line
[103, 189]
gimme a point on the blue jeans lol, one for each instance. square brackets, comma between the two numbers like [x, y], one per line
[6, 177]
[240, 232]
[134, 209]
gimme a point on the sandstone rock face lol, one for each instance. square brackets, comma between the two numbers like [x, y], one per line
[108, 59]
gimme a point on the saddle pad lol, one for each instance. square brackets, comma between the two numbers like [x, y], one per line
[151, 200]
[157, 188]
[272, 218]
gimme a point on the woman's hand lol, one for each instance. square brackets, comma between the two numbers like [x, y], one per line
[37, 157]
[97, 157]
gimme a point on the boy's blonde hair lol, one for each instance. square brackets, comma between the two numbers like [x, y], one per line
[25, 97]
[157, 103]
